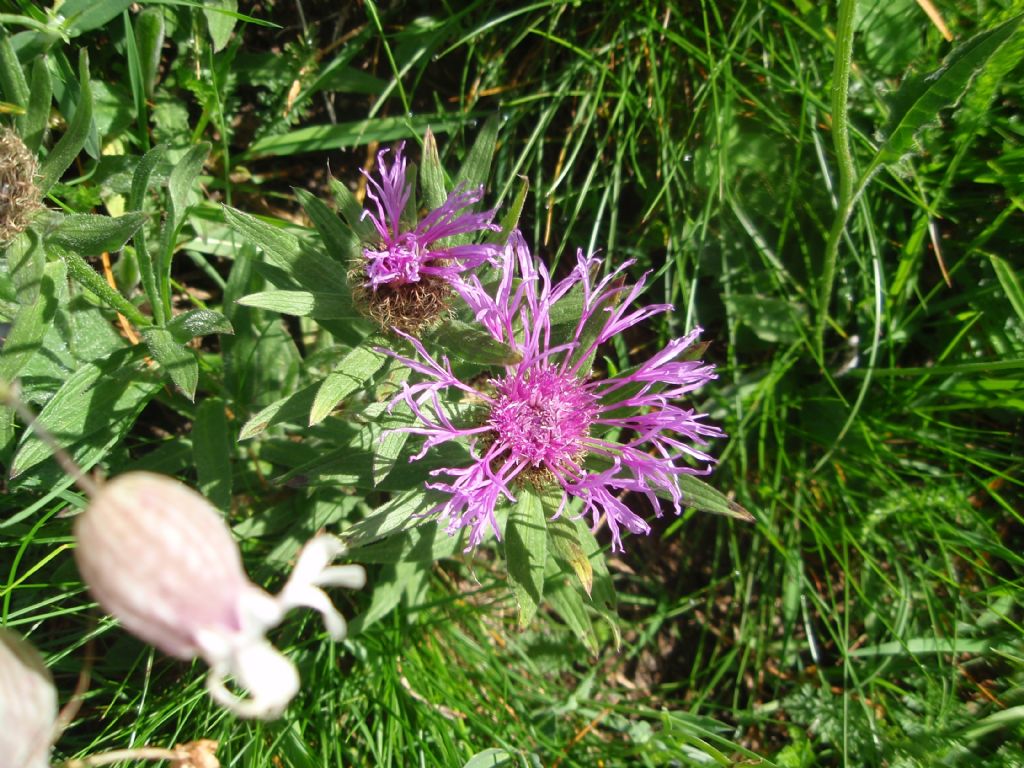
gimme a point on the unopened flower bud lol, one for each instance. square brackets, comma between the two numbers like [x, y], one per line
[157, 556]
[28, 704]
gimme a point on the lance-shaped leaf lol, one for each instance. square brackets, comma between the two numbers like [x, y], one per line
[177, 360]
[90, 234]
[303, 263]
[477, 166]
[13, 83]
[526, 553]
[920, 98]
[211, 451]
[221, 16]
[39, 102]
[84, 274]
[71, 143]
[510, 220]
[565, 545]
[700, 495]
[340, 242]
[149, 37]
[352, 373]
[472, 344]
[91, 411]
[322, 306]
[351, 211]
[432, 185]
[405, 511]
[198, 322]
[569, 604]
[293, 408]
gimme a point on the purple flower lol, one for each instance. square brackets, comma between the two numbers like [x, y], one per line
[545, 419]
[405, 256]
[28, 705]
[158, 557]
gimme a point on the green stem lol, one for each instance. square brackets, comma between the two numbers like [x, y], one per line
[841, 142]
[371, 8]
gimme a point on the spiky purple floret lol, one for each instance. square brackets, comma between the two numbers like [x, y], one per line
[546, 414]
[403, 257]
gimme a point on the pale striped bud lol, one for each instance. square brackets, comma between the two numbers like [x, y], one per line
[158, 557]
[28, 705]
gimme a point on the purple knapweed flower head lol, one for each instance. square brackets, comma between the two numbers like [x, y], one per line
[545, 419]
[403, 279]
[28, 705]
[160, 558]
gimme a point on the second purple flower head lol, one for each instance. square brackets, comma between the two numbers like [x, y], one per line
[403, 280]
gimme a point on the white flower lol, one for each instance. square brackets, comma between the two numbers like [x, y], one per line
[160, 558]
[28, 705]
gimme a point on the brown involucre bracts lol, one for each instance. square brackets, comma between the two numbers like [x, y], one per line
[160, 558]
[28, 705]
[19, 195]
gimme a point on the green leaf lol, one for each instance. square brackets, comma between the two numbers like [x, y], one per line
[281, 247]
[198, 322]
[310, 268]
[353, 372]
[477, 166]
[325, 306]
[149, 36]
[84, 274]
[40, 97]
[602, 595]
[697, 493]
[392, 439]
[143, 174]
[771, 319]
[1011, 284]
[341, 243]
[136, 201]
[179, 185]
[94, 408]
[85, 15]
[352, 211]
[89, 234]
[13, 83]
[293, 409]
[318, 138]
[425, 543]
[405, 511]
[30, 325]
[393, 583]
[472, 344]
[565, 545]
[183, 179]
[432, 183]
[138, 91]
[510, 220]
[211, 451]
[178, 361]
[526, 552]
[71, 143]
[219, 23]
[919, 99]
[26, 264]
[568, 603]
[491, 758]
